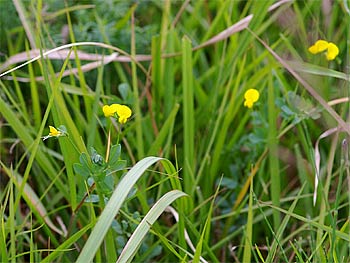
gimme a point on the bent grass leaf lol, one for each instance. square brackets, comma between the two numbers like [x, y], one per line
[136, 238]
[317, 70]
[112, 208]
[318, 159]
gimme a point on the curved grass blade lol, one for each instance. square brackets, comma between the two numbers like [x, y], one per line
[119, 195]
[136, 238]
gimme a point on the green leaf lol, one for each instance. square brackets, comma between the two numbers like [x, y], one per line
[114, 154]
[124, 90]
[81, 170]
[118, 166]
[84, 160]
[95, 157]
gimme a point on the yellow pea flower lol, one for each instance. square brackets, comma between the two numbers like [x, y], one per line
[109, 111]
[123, 112]
[251, 96]
[322, 45]
[60, 131]
[333, 51]
[54, 132]
[319, 46]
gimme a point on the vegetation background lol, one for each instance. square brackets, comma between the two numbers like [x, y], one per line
[183, 68]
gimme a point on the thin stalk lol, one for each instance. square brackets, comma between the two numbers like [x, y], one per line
[137, 108]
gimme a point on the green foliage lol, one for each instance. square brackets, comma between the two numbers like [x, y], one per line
[98, 171]
[296, 108]
[87, 191]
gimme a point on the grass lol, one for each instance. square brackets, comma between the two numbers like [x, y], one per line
[193, 175]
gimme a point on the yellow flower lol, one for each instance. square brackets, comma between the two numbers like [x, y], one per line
[54, 132]
[319, 46]
[323, 45]
[123, 112]
[109, 111]
[60, 131]
[251, 96]
[333, 51]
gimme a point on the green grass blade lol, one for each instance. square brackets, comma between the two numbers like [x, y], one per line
[314, 223]
[273, 153]
[34, 96]
[188, 114]
[136, 238]
[204, 237]
[296, 251]
[61, 115]
[137, 106]
[66, 245]
[164, 132]
[223, 126]
[119, 195]
[110, 246]
[184, 204]
[3, 234]
[92, 126]
[22, 132]
[317, 70]
[259, 254]
[32, 199]
[82, 81]
[283, 226]
[248, 246]
[169, 76]
[11, 225]
[157, 86]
